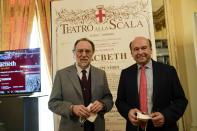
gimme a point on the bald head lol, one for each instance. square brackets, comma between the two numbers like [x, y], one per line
[140, 38]
[141, 50]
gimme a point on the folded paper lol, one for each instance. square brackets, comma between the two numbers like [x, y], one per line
[92, 116]
[143, 117]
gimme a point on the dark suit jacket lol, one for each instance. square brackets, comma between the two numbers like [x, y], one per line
[168, 95]
[67, 90]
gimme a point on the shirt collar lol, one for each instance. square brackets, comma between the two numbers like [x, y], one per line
[79, 69]
[148, 65]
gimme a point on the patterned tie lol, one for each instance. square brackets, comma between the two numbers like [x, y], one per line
[85, 90]
[143, 94]
[84, 79]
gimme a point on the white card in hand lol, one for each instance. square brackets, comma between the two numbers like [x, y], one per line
[141, 116]
[92, 116]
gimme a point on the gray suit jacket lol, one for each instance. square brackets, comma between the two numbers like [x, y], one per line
[67, 90]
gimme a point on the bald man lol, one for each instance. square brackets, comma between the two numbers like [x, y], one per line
[165, 99]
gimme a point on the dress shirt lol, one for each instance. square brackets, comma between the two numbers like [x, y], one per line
[79, 73]
[149, 77]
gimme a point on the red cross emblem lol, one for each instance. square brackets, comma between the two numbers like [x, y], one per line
[100, 14]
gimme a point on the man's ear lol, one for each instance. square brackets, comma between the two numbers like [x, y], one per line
[74, 55]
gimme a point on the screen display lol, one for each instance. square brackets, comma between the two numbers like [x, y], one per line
[20, 71]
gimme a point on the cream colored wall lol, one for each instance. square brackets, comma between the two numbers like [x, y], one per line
[180, 34]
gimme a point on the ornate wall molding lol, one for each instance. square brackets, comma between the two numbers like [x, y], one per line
[159, 19]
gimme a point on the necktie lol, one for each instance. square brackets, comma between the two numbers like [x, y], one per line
[84, 79]
[143, 91]
[143, 94]
[86, 87]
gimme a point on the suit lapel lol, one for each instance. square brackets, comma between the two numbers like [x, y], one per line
[134, 75]
[155, 80]
[93, 81]
[75, 80]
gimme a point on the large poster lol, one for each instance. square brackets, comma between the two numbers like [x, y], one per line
[111, 25]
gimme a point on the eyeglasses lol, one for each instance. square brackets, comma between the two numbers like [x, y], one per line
[80, 51]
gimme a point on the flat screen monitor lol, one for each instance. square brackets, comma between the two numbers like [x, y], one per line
[20, 72]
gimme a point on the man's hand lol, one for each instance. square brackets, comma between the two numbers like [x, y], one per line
[132, 115]
[96, 106]
[81, 111]
[158, 119]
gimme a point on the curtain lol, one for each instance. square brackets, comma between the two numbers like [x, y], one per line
[16, 20]
[175, 47]
[43, 16]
